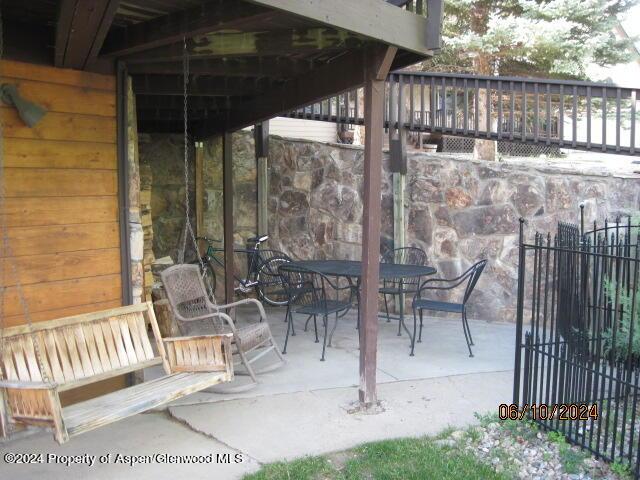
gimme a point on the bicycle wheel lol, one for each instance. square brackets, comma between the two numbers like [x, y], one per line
[270, 288]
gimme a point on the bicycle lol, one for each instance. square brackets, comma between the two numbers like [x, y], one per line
[262, 270]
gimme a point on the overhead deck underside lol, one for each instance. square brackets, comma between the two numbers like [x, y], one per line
[248, 60]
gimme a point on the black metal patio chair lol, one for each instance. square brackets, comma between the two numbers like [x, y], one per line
[309, 294]
[470, 277]
[398, 287]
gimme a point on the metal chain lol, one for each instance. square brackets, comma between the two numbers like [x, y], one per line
[187, 200]
[8, 255]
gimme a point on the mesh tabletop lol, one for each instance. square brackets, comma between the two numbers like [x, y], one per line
[353, 268]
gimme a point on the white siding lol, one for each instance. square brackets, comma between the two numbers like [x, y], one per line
[305, 129]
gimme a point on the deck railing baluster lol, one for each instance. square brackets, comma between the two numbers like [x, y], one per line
[536, 113]
[499, 109]
[618, 119]
[604, 119]
[401, 105]
[489, 100]
[423, 120]
[524, 111]
[548, 114]
[476, 110]
[561, 115]
[357, 107]
[588, 117]
[632, 133]
[412, 114]
[574, 115]
[433, 104]
[512, 111]
[465, 114]
[454, 113]
[444, 104]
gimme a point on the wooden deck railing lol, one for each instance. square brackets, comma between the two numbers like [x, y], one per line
[570, 114]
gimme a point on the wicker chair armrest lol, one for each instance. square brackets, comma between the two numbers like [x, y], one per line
[200, 353]
[245, 301]
[207, 316]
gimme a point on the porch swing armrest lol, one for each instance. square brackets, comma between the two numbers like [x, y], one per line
[20, 385]
[201, 353]
[34, 403]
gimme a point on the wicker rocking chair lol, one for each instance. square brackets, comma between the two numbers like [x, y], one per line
[195, 312]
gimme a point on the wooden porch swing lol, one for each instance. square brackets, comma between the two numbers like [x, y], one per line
[41, 360]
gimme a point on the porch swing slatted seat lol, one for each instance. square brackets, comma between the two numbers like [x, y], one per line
[42, 360]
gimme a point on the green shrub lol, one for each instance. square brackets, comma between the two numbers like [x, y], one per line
[623, 301]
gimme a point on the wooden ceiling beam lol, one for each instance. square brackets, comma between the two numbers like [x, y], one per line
[373, 19]
[81, 30]
[198, 86]
[342, 74]
[171, 28]
[175, 102]
[156, 125]
[252, 44]
[174, 114]
[238, 67]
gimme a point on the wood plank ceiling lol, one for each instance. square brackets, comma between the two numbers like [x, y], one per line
[247, 62]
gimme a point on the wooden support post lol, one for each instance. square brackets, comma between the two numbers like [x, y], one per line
[228, 223]
[376, 70]
[4, 418]
[261, 137]
[399, 221]
[398, 163]
[200, 193]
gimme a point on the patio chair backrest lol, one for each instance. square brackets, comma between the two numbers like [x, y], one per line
[304, 287]
[187, 294]
[405, 256]
[473, 273]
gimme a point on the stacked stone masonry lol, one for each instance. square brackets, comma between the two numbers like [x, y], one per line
[459, 210]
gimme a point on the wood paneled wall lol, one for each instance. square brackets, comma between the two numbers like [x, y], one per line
[61, 195]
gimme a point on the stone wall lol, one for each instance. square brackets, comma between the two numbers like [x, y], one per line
[244, 184]
[163, 155]
[459, 210]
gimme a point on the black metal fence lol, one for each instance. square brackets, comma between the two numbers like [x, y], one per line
[578, 336]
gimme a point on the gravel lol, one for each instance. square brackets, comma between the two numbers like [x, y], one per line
[522, 451]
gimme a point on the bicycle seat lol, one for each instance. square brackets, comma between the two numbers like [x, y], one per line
[260, 239]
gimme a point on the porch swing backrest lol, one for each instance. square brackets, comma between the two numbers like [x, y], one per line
[79, 350]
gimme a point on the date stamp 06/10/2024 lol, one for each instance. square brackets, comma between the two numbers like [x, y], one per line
[560, 411]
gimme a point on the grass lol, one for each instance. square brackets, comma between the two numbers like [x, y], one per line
[404, 459]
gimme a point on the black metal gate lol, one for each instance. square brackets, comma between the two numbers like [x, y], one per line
[577, 366]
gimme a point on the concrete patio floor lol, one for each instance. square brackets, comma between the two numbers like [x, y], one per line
[302, 408]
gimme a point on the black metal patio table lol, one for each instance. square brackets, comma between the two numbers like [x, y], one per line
[352, 270]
